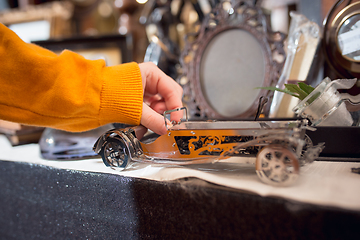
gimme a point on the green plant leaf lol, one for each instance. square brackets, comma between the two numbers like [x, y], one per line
[279, 90]
[300, 90]
[306, 88]
[296, 89]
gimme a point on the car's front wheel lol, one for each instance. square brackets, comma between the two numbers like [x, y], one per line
[277, 165]
[115, 154]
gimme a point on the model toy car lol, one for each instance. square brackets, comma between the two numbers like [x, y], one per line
[280, 147]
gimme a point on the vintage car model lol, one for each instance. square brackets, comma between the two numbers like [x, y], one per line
[280, 147]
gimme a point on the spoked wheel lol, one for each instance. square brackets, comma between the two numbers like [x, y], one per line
[115, 154]
[277, 165]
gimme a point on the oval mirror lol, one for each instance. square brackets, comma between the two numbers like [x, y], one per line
[232, 54]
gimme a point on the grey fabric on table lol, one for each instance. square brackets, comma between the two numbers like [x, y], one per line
[38, 202]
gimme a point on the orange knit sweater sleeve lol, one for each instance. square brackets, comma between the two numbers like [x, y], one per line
[66, 91]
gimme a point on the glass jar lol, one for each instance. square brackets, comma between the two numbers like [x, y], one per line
[324, 106]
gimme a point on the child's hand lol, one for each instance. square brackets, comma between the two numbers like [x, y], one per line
[161, 93]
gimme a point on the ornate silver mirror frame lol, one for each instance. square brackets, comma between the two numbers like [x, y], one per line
[233, 52]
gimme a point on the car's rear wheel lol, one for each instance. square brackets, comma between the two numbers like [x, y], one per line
[277, 165]
[115, 154]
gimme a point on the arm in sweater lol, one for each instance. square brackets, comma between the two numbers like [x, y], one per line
[66, 91]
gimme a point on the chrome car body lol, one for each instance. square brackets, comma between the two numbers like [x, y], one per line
[280, 147]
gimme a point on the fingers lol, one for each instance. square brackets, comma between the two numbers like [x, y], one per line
[152, 120]
[157, 84]
[149, 99]
[171, 93]
[140, 131]
[158, 106]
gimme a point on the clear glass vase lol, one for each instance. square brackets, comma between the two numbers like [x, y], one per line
[325, 106]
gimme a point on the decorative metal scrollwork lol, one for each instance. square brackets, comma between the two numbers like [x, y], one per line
[233, 52]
